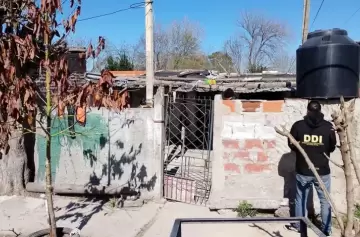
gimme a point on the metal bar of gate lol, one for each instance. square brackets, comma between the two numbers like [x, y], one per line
[182, 150]
[210, 134]
[189, 123]
[304, 223]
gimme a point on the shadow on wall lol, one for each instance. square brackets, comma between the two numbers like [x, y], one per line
[109, 162]
[114, 170]
[81, 213]
[29, 145]
[286, 169]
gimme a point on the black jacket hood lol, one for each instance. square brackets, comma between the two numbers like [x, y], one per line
[314, 120]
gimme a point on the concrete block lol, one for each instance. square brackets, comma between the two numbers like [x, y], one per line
[264, 132]
[258, 118]
[238, 130]
[244, 131]
[273, 119]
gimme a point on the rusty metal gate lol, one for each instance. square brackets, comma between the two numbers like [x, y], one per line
[188, 146]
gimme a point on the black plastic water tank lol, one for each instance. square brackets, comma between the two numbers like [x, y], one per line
[328, 65]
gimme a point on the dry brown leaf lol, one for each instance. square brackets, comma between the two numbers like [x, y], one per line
[106, 77]
[12, 72]
[61, 108]
[57, 5]
[78, 10]
[25, 50]
[7, 63]
[43, 5]
[89, 51]
[26, 96]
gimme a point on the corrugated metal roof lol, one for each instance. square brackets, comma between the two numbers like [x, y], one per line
[248, 83]
[77, 49]
[127, 73]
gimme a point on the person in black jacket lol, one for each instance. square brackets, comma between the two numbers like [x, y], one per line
[316, 136]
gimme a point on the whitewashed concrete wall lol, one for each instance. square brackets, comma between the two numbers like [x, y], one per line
[253, 163]
[113, 148]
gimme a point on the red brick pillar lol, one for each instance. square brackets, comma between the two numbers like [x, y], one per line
[250, 155]
[247, 156]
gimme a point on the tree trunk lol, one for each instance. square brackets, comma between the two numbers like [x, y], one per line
[49, 188]
[341, 124]
[350, 140]
[14, 170]
[349, 184]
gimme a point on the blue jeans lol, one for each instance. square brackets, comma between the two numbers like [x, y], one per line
[303, 186]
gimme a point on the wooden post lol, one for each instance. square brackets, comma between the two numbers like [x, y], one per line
[149, 39]
[305, 24]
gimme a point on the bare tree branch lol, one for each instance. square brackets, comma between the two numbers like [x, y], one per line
[221, 61]
[161, 47]
[13, 231]
[262, 37]
[184, 40]
[174, 45]
[336, 164]
[283, 62]
[350, 110]
[234, 48]
[340, 124]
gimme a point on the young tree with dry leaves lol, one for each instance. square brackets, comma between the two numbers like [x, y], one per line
[30, 43]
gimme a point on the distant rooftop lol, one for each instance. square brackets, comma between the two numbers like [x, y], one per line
[77, 49]
[127, 73]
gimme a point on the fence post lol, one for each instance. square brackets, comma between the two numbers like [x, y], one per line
[159, 138]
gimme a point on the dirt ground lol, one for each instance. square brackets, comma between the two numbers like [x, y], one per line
[163, 224]
[96, 218]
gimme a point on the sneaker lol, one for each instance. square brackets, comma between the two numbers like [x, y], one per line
[291, 227]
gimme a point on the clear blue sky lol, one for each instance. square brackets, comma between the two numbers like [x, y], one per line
[217, 17]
